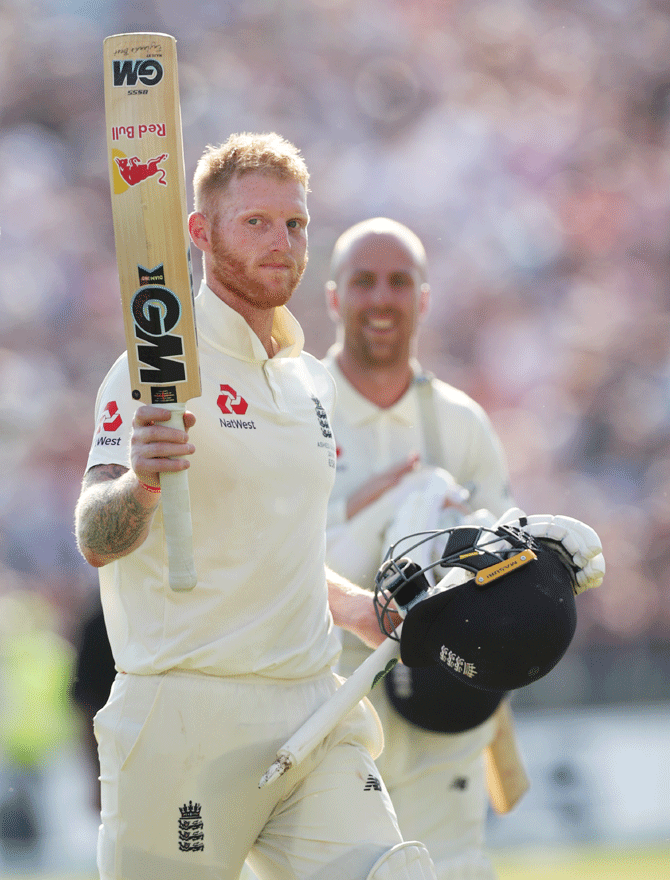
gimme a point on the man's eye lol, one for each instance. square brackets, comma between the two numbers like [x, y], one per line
[364, 281]
[253, 221]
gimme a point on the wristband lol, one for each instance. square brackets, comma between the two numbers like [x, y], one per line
[155, 489]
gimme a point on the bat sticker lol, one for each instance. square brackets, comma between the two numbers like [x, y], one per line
[134, 171]
[132, 131]
[156, 311]
[149, 71]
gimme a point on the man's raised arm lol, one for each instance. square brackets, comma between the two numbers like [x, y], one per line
[117, 504]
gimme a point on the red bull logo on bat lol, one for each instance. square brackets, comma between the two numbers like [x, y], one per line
[132, 131]
[134, 171]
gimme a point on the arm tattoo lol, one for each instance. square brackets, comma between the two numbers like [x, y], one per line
[111, 519]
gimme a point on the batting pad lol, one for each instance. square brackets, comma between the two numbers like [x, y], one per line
[406, 861]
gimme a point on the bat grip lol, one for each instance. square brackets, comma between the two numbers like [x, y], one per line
[177, 518]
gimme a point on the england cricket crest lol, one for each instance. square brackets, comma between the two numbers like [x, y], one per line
[191, 828]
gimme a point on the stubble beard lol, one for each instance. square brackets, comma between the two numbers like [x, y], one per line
[373, 357]
[378, 356]
[232, 272]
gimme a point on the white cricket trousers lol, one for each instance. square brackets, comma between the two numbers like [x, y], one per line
[181, 755]
[437, 782]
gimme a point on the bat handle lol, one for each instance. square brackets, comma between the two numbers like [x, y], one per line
[177, 518]
[317, 727]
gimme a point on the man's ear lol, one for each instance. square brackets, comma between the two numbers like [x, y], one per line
[332, 301]
[199, 229]
[424, 300]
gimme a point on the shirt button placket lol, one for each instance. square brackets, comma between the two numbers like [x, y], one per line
[274, 387]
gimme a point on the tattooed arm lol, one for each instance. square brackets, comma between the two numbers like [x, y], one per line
[115, 507]
[113, 513]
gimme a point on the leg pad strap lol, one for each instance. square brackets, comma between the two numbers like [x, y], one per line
[405, 861]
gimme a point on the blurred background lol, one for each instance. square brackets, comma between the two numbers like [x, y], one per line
[527, 142]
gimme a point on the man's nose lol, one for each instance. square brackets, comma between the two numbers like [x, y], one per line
[382, 292]
[280, 238]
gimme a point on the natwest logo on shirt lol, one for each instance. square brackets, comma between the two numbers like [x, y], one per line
[111, 418]
[230, 402]
[110, 421]
[233, 404]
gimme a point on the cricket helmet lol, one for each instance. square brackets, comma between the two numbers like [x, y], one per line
[502, 616]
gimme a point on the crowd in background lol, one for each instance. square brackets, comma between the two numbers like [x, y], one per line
[527, 142]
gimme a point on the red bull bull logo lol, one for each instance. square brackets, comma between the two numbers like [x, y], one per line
[134, 171]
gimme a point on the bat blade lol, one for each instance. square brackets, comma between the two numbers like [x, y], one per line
[506, 776]
[148, 192]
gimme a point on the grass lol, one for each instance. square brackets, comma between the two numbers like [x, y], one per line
[606, 863]
[586, 864]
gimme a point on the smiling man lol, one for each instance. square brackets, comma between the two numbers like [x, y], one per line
[211, 682]
[407, 445]
[380, 294]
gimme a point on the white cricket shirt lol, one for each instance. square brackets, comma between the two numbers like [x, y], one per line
[370, 439]
[259, 483]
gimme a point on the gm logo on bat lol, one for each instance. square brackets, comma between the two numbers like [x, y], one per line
[156, 311]
[149, 71]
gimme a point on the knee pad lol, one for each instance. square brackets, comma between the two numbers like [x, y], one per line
[405, 861]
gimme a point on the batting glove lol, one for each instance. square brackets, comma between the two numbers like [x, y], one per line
[568, 536]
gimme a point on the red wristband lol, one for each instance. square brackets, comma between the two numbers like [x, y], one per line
[155, 489]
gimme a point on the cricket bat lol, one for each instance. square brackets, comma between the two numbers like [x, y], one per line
[330, 713]
[358, 685]
[148, 190]
[506, 777]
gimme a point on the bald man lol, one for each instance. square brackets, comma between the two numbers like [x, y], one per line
[412, 452]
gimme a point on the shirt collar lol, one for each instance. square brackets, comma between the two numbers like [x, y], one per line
[227, 330]
[358, 410]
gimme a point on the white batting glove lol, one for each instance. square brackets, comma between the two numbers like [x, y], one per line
[573, 537]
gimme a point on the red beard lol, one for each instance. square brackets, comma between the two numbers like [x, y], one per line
[235, 276]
